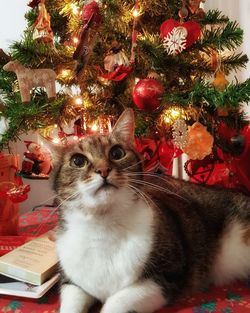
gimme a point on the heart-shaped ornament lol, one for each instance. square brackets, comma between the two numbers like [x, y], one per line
[178, 36]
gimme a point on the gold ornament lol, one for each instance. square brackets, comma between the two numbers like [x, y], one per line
[199, 142]
[220, 82]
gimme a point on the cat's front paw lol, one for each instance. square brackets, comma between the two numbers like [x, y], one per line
[74, 300]
[141, 297]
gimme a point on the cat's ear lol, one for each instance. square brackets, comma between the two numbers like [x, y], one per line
[125, 127]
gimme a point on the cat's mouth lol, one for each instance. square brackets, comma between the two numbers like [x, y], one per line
[106, 185]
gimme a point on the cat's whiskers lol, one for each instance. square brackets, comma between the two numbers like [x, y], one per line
[151, 174]
[142, 182]
[139, 162]
[40, 226]
[44, 203]
[141, 194]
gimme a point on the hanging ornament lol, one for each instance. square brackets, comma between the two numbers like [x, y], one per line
[42, 30]
[33, 3]
[116, 56]
[116, 63]
[194, 5]
[91, 19]
[200, 142]
[179, 36]
[147, 94]
[214, 60]
[183, 12]
[29, 78]
[220, 82]
[180, 133]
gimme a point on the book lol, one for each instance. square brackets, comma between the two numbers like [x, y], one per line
[11, 287]
[33, 262]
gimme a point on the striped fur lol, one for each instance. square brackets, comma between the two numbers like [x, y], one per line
[137, 242]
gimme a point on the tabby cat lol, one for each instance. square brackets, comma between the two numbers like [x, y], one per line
[138, 241]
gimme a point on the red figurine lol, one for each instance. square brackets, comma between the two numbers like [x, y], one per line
[36, 161]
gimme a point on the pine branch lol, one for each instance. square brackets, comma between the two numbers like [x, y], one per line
[228, 37]
[234, 62]
[206, 96]
[36, 54]
[214, 17]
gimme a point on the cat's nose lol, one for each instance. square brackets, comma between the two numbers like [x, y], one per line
[103, 171]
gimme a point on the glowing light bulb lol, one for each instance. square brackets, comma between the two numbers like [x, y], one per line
[75, 137]
[55, 140]
[136, 13]
[167, 120]
[175, 113]
[75, 40]
[94, 127]
[78, 101]
[74, 9]
[65, 73]
[55, 125]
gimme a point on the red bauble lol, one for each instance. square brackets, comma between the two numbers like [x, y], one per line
[147, 93]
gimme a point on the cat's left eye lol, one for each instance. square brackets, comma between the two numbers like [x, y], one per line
[116, 153]
[78, 160]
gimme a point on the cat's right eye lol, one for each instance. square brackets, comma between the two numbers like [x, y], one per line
[78, 160]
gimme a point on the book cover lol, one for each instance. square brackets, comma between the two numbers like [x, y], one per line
[34, 262]
[11, 287]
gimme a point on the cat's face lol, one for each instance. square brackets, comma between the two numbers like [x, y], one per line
[93, 174]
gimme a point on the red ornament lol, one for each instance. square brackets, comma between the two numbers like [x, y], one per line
[33, 3]
[91, 11]
[192, 28]
[14, 192]
[147, 94]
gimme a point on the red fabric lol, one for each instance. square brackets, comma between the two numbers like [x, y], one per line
[233, 299]
[225, 170]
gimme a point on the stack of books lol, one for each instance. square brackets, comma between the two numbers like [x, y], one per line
[29, 270]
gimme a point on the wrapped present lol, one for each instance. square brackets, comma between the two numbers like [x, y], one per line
[8, 209]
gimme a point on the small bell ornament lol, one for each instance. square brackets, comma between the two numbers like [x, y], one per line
[42, 30]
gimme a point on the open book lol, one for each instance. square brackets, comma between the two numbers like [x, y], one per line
[34, 262]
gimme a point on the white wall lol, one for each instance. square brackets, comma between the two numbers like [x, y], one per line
[12, 22]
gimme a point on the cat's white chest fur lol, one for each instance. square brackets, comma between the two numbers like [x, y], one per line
[105, 254]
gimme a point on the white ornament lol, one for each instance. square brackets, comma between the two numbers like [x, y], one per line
[175, 42]
[4, 125]
[112, 60]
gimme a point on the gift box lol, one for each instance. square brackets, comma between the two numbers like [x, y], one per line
[8, 210]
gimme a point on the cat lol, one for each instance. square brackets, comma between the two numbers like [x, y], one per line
[138, 241]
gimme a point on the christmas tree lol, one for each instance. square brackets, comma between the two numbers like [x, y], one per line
[168, 60]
